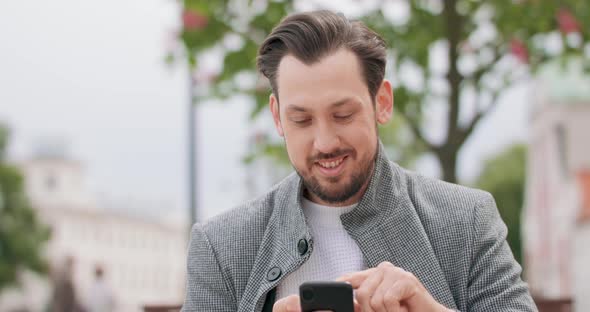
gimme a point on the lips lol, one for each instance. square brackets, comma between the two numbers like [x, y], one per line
[331, 167]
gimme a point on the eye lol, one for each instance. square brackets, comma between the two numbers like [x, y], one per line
[343, 116]
[301, 121]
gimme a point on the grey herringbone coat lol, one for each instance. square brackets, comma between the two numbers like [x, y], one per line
[450, 237]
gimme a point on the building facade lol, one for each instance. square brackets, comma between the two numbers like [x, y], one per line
[556, 229]
[143, 260]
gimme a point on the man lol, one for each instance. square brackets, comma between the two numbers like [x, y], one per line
[403, 241]
[101, 297]
[64, 297]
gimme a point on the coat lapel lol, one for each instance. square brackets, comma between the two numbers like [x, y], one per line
[387, 228]
[278, 248]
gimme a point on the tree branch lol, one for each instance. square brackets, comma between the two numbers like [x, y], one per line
[478, 74]
[413, 123]
[454, 24]
[466, 132]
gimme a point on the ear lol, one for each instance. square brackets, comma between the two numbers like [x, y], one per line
[274, 109]
[384, 102]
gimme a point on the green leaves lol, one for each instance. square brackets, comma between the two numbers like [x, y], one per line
[240, 60]
[273, 14]
[22, 236]
[476, 36]
[504, 177]
[4, 133]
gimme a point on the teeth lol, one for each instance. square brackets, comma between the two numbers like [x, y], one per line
[330, 164]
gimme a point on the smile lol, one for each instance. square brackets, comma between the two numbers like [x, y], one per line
[331, 167]
[331, 164]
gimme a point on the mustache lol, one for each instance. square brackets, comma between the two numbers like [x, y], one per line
[334, 154]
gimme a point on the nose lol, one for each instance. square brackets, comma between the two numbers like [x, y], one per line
[326, 139]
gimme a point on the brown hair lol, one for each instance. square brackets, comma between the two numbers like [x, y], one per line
[312, 35]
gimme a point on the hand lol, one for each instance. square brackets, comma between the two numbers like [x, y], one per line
[287, 304]
[388, 288]
[291, 304]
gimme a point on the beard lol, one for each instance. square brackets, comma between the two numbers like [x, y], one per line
[334, 193]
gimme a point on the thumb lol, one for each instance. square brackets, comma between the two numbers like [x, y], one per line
[287, 304]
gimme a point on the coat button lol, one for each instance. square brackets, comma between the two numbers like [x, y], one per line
[273, 274]
[302, 246]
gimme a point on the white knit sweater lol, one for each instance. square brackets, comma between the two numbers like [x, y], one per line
[334, 254]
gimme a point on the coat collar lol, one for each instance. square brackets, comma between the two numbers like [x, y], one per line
[384, 224]
[387, 227]
[278, 248]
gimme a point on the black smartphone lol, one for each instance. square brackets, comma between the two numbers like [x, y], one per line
[331, 296]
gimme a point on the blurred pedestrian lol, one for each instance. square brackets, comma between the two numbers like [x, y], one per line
[64, 290]
[101, 297]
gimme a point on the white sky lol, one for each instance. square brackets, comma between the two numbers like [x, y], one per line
[92, 72]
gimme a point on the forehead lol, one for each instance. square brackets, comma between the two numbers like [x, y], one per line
[312, 86]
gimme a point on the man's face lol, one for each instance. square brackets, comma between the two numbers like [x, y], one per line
[329, 123]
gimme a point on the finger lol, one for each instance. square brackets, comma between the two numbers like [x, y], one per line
[391, 300]
[367, 290]
[287, 304]
[390, 275]
[357, 306]
[395, 307]
[377, 300]
[403, 289]
[357, 278]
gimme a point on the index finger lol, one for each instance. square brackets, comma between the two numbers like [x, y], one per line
[357, 278]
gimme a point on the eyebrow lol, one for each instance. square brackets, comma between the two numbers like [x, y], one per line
[338, 103]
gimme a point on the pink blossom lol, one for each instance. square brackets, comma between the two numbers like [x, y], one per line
[194, 20]
[519, 50]
[567, 22]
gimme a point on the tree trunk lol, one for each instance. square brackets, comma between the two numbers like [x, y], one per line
[447, 153]
[447, 159]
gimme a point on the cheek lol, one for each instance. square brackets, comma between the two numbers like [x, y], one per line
[360, 134]
[298, 145]
[364, 142]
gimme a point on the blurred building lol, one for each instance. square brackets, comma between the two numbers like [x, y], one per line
[556, 226]
[143, 260]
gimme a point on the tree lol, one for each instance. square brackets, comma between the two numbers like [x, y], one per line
[504, 177]
[22, 236]
[456, 54]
